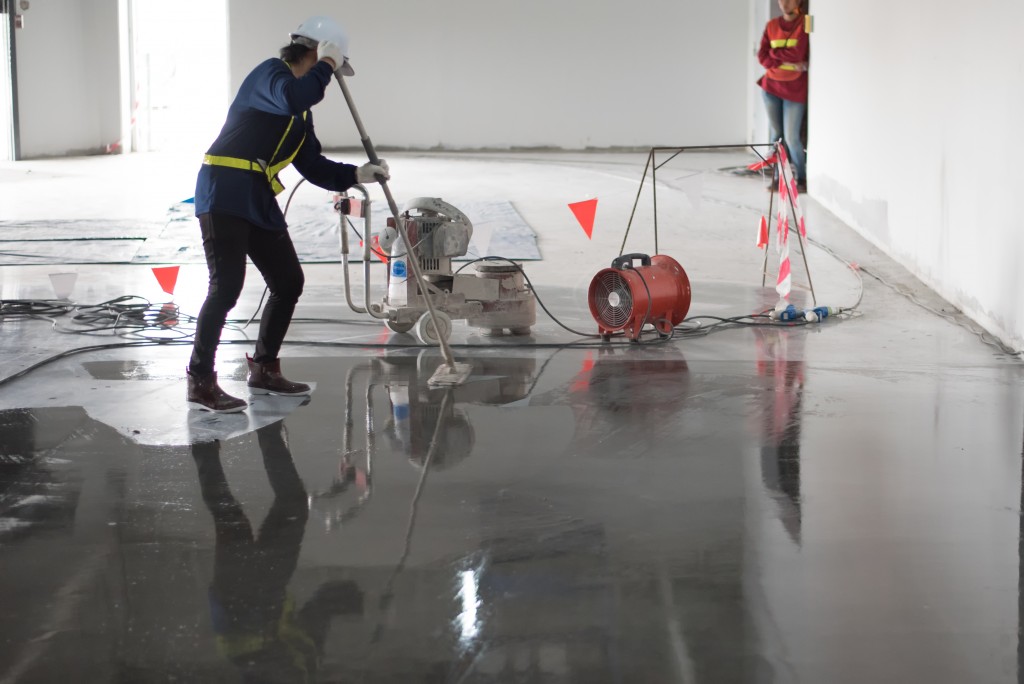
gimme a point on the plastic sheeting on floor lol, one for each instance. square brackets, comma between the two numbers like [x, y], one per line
[498, 230]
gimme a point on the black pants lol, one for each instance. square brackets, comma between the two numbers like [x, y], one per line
[227, 240]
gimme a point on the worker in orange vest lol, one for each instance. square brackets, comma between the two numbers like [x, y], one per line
[784, 53]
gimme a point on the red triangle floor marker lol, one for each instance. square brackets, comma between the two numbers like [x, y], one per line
[762, 233]
[585, 212]
[167, 276]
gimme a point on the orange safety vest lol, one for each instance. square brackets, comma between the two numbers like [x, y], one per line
[779, 40]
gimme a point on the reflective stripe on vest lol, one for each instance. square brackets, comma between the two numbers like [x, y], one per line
[780, 39]
[270, 170]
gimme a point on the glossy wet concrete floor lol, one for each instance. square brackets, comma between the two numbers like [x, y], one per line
[830, 503]
[570, 515]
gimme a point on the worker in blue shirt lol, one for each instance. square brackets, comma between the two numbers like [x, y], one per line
[268, 127]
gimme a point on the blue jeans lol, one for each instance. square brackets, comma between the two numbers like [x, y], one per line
[788, 117]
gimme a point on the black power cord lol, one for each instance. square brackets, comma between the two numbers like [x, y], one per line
[143, 323]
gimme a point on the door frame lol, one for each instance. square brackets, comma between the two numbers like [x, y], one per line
[9, 82]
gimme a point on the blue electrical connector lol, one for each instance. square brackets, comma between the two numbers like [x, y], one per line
[791, 313]
[819, 313]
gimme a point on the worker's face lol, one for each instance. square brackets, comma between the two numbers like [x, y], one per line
[789, 7]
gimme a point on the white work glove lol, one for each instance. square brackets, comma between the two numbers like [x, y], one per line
[367, 173]
[328, 51]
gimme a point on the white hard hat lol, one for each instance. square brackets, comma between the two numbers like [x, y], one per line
[315, 29]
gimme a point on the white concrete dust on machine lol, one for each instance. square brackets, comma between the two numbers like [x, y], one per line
[495, 298]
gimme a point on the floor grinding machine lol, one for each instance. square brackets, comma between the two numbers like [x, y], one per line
[424, 294]
[494, 298]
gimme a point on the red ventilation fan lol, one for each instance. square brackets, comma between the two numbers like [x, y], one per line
[627, 297]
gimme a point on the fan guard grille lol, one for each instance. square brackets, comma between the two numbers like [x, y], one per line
[613, 299]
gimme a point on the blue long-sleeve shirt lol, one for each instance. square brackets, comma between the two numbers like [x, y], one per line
[269, 98]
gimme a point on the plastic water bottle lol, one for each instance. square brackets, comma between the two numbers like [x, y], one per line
[398, 288]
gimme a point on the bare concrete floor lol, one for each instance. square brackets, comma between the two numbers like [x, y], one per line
[830, 503]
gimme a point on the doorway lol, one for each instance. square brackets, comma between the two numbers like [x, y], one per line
[178, 74]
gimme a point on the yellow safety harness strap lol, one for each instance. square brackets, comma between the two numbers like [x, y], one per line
[274, 169]
[233, 162]
[269, 170]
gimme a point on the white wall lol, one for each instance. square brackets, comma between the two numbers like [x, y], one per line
[462, 74]
[916, 107]
[760, 11]
[68, 87]
[456, 74]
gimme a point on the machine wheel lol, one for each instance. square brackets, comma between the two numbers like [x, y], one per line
[397, 327]
[425, 328]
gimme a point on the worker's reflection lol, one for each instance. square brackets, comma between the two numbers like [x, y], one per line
[258, 626]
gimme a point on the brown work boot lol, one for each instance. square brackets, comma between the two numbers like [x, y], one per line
[205, 394]
[266, 378]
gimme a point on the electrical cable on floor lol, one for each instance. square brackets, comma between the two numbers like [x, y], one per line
[33, 308]
[133, 318]
[852, 311]
[853, 269]
[679, 333]
[985, 336]
[698, 329]
[297, 343]
[145, 324]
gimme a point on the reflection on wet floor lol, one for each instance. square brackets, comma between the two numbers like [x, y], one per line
[257, 624]
[598, 515]
[39, 491]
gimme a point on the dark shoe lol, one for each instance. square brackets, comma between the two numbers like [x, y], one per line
[266, 378]
[205, 394]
